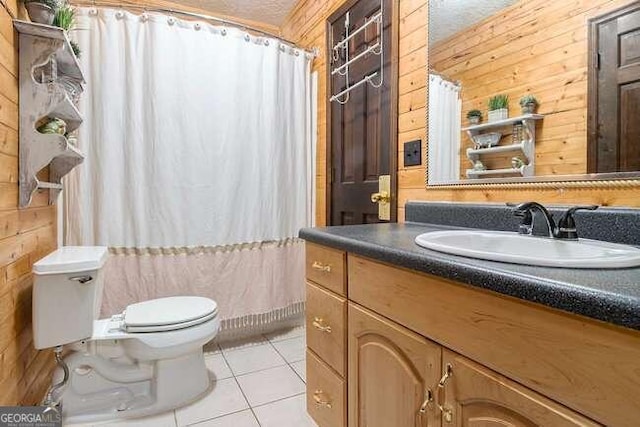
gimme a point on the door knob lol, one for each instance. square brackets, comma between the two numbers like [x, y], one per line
[381, 197]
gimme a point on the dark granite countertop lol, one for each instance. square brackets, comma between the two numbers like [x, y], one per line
[610, 295]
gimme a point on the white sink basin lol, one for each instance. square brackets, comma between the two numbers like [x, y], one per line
[539, 251]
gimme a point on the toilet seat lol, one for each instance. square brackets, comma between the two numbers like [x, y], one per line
[168, 314]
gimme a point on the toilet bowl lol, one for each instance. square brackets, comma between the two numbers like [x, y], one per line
[146, 360]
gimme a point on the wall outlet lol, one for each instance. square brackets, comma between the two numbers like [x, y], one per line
[413, 153]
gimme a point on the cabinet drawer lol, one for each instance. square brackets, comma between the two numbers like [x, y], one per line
[326, 267]
[326, 316]
[326, 397]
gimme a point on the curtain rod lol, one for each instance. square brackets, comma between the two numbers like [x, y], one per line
[247, 27]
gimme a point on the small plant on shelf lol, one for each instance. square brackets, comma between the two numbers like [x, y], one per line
[529, 104]
[76, 49]
[517, 162]
[65, 17]
[42, 11]
[474, 116]
[498, 108]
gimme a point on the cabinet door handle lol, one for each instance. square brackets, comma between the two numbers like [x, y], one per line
[326, 268]
[318, 323]
[319, 401]
[447, 414]
[428, 398]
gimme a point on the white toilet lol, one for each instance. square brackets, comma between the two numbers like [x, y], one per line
[146, 360]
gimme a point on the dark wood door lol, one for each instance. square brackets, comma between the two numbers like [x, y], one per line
[614, 137]
[362, 132]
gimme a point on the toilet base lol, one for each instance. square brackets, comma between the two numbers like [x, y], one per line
[110, 388]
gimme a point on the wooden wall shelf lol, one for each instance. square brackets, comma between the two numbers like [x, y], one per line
[527, 146]
[46, 58]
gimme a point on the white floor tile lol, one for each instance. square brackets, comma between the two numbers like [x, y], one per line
[301, 369]
[285, 334]
[253, 359]
[292, 350]
[243, 343]
[217, 365]
[166, 419]
[291, 412]
[270, 385]
[239, 419]
[223, 399]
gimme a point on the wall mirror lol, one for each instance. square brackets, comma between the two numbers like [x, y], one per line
[533, 90]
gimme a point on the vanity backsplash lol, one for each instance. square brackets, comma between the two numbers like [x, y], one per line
[618, 225]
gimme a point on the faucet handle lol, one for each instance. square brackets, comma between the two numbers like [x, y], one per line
[567, 224]
[526, 226]
[536, 219]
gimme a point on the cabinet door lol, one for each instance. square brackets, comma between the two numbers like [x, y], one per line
[475, 396]
[390, 371]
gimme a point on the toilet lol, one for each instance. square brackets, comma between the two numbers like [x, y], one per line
[143, 361]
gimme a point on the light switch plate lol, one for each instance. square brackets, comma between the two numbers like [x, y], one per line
[413, 153]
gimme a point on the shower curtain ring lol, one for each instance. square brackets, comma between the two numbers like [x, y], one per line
[171, 20]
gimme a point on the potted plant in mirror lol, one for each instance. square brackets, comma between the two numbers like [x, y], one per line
[41, 11]
[498, 108]
[529, 104]
[474, 117]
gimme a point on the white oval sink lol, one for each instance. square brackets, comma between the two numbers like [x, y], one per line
[538, 251]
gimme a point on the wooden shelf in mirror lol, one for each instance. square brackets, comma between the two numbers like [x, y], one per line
[500, 123]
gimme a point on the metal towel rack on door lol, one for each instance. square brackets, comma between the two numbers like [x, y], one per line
[377, 49]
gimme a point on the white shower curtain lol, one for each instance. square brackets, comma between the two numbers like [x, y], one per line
[198, 152]
[445, 108]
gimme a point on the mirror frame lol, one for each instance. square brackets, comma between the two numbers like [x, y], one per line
[588, 180]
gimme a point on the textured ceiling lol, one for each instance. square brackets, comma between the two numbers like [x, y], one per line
[447, 17]
[271, 12]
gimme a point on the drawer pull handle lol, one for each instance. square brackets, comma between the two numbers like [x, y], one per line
[447, 414]
[321, 267]
[319, 401]
[318, 323]
[428, 398]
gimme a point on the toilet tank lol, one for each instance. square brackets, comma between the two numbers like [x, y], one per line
[67, 294]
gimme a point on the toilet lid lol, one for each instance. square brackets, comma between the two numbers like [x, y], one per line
[170, 313]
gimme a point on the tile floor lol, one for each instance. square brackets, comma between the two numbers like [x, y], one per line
[258, 382]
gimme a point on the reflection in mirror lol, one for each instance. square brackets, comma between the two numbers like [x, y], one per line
[511, 83]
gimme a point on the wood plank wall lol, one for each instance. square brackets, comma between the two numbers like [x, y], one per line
[26, 235]
[532, 47]
[306, 26]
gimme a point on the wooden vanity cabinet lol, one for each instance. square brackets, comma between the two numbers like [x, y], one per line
[423, 351]
[475, 396]
[391, 372]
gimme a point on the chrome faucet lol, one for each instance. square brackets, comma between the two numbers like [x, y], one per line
[537, 221]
